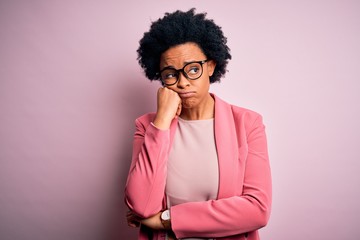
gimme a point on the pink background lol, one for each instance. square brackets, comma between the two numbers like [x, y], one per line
[70, 89]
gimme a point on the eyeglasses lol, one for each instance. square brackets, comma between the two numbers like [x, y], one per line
[192, 70]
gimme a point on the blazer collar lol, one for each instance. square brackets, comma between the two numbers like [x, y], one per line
[226, 146]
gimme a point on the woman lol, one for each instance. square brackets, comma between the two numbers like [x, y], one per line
[200, 167]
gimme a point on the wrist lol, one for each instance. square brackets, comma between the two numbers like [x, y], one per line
[162, 123]
[165, 219]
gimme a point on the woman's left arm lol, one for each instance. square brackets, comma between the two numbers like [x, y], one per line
[238, 214]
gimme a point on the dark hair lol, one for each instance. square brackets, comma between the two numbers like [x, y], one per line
[178, 28]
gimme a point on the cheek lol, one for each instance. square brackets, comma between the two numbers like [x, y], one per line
[205, 85]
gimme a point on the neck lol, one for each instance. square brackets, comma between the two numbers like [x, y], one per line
[204, 110]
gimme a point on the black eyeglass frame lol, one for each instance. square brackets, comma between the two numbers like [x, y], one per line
[181, 70]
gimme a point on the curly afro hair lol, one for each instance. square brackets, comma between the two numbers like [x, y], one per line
[178, 28]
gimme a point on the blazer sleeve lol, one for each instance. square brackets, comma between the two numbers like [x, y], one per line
[234, 215]
[145, 186]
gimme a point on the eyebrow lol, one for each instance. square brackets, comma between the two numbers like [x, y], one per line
[184, 63]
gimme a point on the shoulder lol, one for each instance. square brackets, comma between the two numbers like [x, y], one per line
[246, 118]
[243, 117]
[245, 113]
[237, 111]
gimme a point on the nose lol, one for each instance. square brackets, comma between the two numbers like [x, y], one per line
[183, 81]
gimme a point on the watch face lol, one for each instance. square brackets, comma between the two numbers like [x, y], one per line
[165, 215]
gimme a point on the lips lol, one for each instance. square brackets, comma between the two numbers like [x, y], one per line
[186, 94]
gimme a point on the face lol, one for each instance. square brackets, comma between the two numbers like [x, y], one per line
[193, 93]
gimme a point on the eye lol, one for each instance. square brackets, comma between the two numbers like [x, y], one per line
[193, 70]
[169, 74]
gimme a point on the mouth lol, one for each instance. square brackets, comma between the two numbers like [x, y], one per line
[186, 94]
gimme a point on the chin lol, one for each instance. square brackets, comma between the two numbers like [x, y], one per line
[188, 103]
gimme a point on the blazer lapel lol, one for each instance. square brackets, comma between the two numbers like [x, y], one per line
[227, 148]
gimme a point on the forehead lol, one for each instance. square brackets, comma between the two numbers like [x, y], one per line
[179, 55]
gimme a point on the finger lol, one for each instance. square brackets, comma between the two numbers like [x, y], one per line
[132, 218]
[129, 213]
[160, 90]
[133, 224]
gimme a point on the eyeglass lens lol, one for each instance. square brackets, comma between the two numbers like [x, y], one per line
[191, 71]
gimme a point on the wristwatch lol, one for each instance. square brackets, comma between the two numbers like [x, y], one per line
[165, 219]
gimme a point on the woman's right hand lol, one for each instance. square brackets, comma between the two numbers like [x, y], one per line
[168, 107]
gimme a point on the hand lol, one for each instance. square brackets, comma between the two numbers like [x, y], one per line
[168, 107]
[153, 222]
[132, 219]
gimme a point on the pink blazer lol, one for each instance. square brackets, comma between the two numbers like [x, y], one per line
[244, 197]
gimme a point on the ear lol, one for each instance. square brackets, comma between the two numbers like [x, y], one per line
[211, 64]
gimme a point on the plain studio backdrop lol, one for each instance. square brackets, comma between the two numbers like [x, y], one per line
[71, 87]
